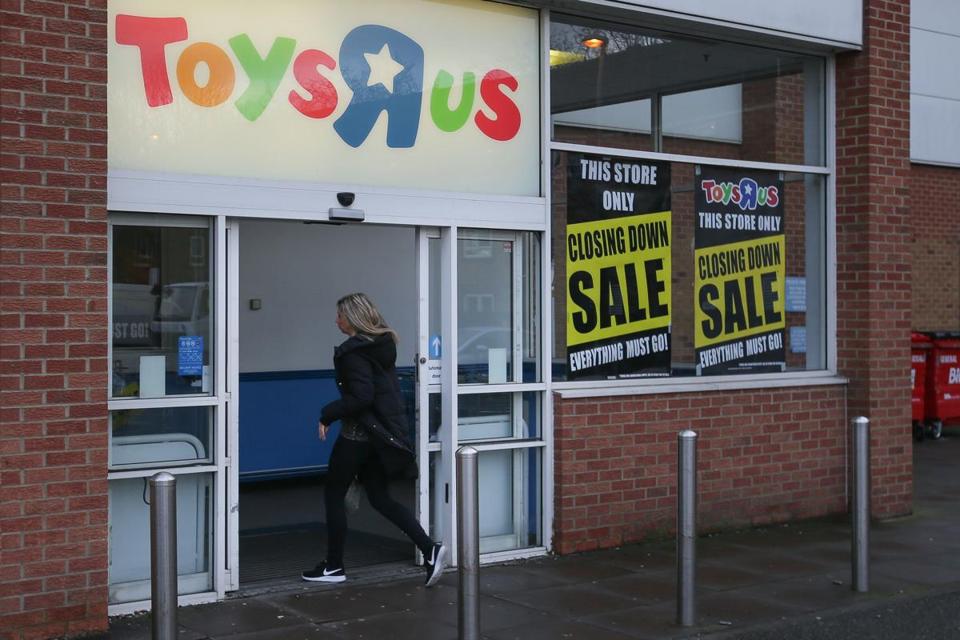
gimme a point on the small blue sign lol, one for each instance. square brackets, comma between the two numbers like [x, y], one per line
[796, 294]
[435, 347]
[190, 356]
[798, 339]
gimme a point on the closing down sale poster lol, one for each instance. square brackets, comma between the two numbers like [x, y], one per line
[739, 280]
[618, 239]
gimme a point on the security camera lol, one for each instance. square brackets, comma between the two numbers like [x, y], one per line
[345, 198]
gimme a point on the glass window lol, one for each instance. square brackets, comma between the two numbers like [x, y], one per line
[594, 97]
[499, 315]
[706, 115]
[661, 268]
[434, 327]
[530, 302]
[632, 88]
[796, 309]
[162, 325]
[485, 317]
[510, 506]
[434, 408]
[498, 416]
[437, 488]
[129, 565]
[160, 437]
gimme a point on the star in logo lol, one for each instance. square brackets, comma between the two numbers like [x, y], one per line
[383, 68]
[747, 189]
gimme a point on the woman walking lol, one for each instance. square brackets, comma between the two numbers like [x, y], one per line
[373, 444]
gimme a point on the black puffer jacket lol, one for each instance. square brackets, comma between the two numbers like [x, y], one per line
[370, 395]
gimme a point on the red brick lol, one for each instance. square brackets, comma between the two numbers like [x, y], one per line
[604, 483]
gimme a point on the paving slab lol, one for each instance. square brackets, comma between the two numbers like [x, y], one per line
[331, 605]
[809, 593]
[574, 601]
[640, 558]
[495, 613]
[920, 570]
[768, 563]
[653, 587]
[235, 616]
[782, 582]
[299, 632]
[408, 625]
[553, 629]
[647, 623]
[743, 607]
[138, 627]
[720, 576]
[510, 579]
[578, 567]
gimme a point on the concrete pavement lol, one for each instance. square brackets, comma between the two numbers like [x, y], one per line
[790, 581]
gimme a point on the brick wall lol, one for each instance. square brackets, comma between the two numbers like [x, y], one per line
[776, 455]
[53, 282]
[873, 250]
[763, 456]
[935, 244]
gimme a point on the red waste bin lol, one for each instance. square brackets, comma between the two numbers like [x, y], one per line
[920, 346]
[942, 404]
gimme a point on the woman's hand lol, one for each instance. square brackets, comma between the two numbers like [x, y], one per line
[322, 430]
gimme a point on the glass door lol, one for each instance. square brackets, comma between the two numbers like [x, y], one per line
[499, 381]
[167, 397]
[480, 291]
[433, 481]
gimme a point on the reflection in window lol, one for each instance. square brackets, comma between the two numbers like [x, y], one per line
[490, 301]
[485, 316]
[162, 326]
[629, 88]
[498, 416]
[152, 437]
[804, 269]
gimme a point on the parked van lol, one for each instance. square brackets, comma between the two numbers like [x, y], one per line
[183, 310]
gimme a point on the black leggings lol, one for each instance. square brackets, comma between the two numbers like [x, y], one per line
[350, 459]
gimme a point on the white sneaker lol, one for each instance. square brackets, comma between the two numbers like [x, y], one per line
[322, 573]
[435, 564]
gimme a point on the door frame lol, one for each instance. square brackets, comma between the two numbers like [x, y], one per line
[216, 401]
[231, 367]
[443, 488]
[435, 492]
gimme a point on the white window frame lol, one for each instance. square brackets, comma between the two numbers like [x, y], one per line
[216, 400]
[677, 384]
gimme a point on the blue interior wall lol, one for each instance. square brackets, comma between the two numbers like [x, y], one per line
[278, 418]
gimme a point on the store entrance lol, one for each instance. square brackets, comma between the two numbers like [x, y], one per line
[290, 277]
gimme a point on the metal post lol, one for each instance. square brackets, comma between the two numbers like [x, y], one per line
[686, 528]
[163, 555]
[468, 551]
[860, 540]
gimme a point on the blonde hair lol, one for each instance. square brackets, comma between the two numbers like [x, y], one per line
[361, 314]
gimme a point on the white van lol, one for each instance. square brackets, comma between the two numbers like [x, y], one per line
[184, 310]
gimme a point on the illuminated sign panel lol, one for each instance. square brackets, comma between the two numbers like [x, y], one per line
[424, 94]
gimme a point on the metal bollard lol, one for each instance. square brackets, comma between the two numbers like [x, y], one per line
[686, 528]
[163, 555]
[468, 551]
[860, 538]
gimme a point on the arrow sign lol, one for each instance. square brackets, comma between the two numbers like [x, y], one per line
[434, 346]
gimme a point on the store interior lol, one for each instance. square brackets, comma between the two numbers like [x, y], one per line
[287, 337]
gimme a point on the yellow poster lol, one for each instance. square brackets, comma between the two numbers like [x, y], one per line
[618, 267]
[739, 280]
